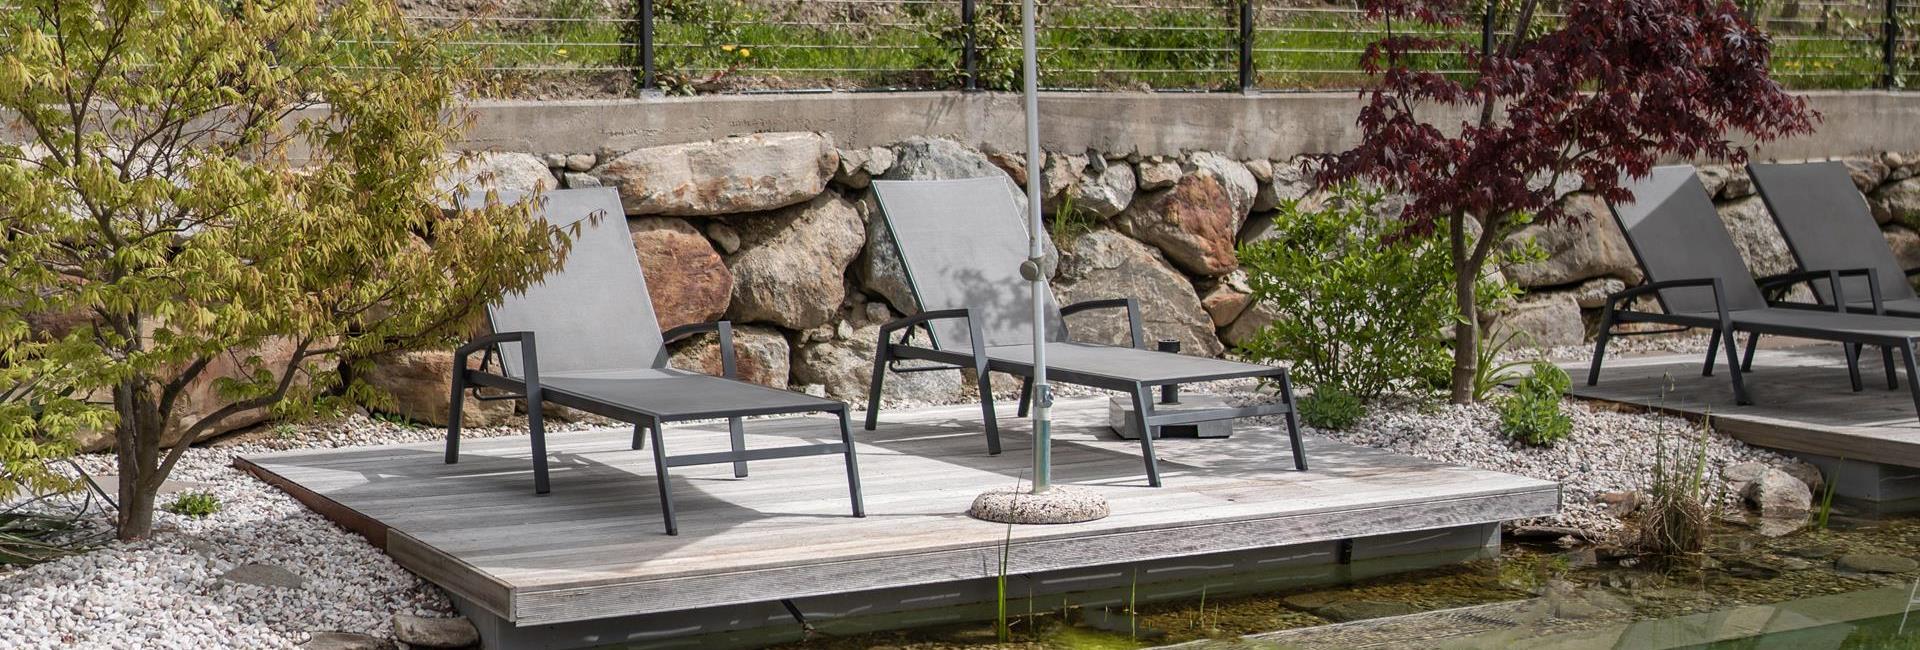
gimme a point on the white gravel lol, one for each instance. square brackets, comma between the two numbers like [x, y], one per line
[163, 592]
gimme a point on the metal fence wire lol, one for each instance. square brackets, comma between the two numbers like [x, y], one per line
[721, 46]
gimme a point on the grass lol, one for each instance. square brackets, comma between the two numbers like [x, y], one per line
[1083, 44]
[194, 504]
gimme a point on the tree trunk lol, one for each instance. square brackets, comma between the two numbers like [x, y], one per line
[1466, 333]
[139, 436]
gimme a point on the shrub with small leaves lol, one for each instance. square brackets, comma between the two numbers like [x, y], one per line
[194, 504]
[1532, 413]
[1332, 408]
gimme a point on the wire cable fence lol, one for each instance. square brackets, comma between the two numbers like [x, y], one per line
[737, 46]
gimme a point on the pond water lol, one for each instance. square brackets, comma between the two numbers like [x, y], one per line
[1846, 586]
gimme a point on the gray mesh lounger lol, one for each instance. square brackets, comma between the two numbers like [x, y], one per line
[962, 243]
[1828, 226]
[1700, 280]
[601, 350]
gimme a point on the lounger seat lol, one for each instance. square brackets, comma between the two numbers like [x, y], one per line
[962, 244]
[673, 394]
[1120, 364]
[586, 337]
[1817, 324]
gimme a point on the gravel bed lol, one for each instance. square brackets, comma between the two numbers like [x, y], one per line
[164, 592]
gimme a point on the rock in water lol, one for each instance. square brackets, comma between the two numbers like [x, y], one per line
[734, 175]
[1783, 502]
[456, 632]
[1875, 563]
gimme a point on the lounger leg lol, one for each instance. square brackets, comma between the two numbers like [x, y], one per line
[1753, 343]
[853, 468]
[639, 436]
[737, 434]
[1293, 423]
[660, 472]
[1853, 365]
[1906, 354]
[1886, 359]
[1599, 351]
[455, 405]
[1733, 368]
[1026, 395]
[537, 430]
[1713, 352]
[873, 387]
[986, 405]
[1142, 411]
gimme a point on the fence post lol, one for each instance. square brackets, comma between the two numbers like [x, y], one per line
[969, 50]
[1889, 44]
[1247, 78]
[1486, 33]
[645, 30]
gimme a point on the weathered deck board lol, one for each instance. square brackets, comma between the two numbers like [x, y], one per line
[594, 548]
[1802, 401]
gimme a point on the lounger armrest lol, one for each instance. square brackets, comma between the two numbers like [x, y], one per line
[722, 328]
[1775, 285]
[922, 318]
[1134, 330]
[529, 355]
[1650, 287]
[1913, 271]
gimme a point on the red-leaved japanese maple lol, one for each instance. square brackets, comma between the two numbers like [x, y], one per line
[1614, 86]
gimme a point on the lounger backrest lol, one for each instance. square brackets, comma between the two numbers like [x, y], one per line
[962, 243]
[594, 313]
[1828, 226]
[1676, 234]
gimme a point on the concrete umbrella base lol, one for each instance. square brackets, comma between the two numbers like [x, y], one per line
[1061, 504]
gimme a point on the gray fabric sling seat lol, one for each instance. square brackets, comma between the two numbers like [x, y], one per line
[961, 243]
[585, 337]
[1700, 280]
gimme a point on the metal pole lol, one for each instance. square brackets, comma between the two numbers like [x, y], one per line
[1036, 256]
[1889, 44]
[1246, 46]
[647, 80]
[969, 49]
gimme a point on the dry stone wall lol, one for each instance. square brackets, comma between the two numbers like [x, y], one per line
[779, 233]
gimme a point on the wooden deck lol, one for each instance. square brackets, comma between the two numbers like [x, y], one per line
[594, 548]
[1802, 401]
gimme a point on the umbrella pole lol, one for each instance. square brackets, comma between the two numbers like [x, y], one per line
[1036, 254]
[1044, 503]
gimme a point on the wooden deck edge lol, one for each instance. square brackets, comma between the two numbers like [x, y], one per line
[430, 564]
[537, 606]
[334, 511]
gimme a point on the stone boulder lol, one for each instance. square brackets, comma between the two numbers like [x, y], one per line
[1226, 301]
[1867, 173]
[686, 278]
[200, 398]
[1593, 294]
[843, 366]
[1251, 321]
[1755, 234]
[502, 171]
[1899, 201]
[421, 384]
[1586, 244]
[752, 173]
[791, 265]
[1107, 264]
[859, 166]
[1782, 501]
[1157, 173]
[1725, 181]
[760, 353]
[1239, 182]
[1905, 243]
[925, 159]
[422, 632]
[1058, 179]
[1543, 319]
[1105, 193]
[1195, 222]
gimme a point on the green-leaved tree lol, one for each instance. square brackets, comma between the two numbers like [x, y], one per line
[233, 192]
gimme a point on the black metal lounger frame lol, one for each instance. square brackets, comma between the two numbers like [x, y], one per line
[1724, 326]
[887, 354]
[647, 423]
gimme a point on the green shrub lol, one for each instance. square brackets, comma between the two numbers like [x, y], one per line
[1332, 409]
[194, 504]
[1362, 303]
[1532, 413]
